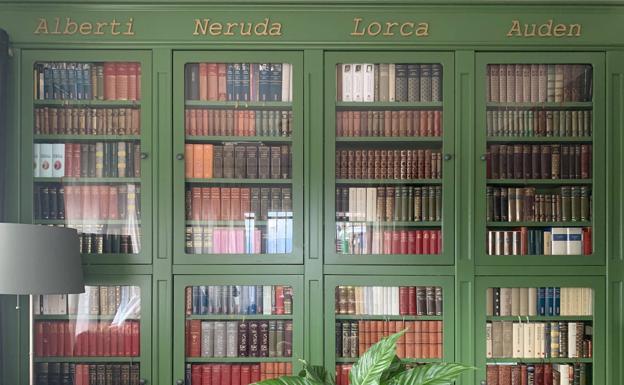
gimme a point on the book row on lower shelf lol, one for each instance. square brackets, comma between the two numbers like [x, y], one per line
[389, 203]
[389, 123]
[87, 202]
[389, 300]
[539, 374]
[249, 161]
[238, 123]
[388, 164]
[360, 238]
[88, 81]
[87, 338]
[276, 237]
[96, 160]
[507, 339]
[57, 373]
[510, 204]
[239, 299]
[548, 241]
[538, 122]
[535, 161]
[423, 339]
[234, 374]
[272, 338]
[539, 301]
[237, 203]
[96, 300]
[72, 120]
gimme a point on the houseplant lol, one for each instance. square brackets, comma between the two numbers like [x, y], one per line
[379, 365]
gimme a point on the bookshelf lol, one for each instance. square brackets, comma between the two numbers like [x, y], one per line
[237, 185]
[90, 134]
[542, 182]
[103, 332]
[360, 310]
[388, 151]
[245, 328]
[525, 328]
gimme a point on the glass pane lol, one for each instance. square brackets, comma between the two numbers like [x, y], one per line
[87, 152]
[238, 158]
[539, 159]
[388, 158]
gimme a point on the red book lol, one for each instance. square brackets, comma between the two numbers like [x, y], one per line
[235, 204]
[203, 81]
[426, 242]
[69, 338]
[121, 81]
[221, 81]
[79, 343]
[198, 161]
[99, 339]
[226, 374]
[196, 374]
[279, 300]
[78, 375]
[437, 123]
[114, 340]
[113, 204]
[136, 340]
[127, 325]
[344, 374]
[226, 203]
[138, 80]
[213, 82]
[236, 375]
[245, 374]
[403, 300]
[419, 242]
[193, 124]
[396, 242]
[264, 370]
[132, 80]
[411, 242]
[216, 375]
[433, 244]
[187, 338]
[39, 338]
[539, 375]
[387, 242]
[121, 340]
[524, 241]
[92, 340]
[255, 373]
[106, 339]
[208, 152]
[412, 300]
[403, 241]
[188, 160]
[548, 374]
[110, 81]
[587, 241]
[205, 202]
[206, 374]
[196, 203]
[215, 205]
[195, 338]
[524, 375]
[85, 374]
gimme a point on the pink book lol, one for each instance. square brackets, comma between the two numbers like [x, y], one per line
[231, 241]
[240, 240]
[387, 242]
[257, 241]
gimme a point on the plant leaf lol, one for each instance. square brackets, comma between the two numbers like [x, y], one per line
[316, 373]
[369, 368]
[431, 374]
[396, 366]
[287, 380]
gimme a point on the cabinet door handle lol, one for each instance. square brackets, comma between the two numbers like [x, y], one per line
[483, 157]
[180, 156]
[142, 381]
[179, 382]
[448, 157]
[144, 155]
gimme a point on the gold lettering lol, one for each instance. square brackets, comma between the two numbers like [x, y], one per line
[98, 28]
[370, 30]
[515, 29]
[201, 27]
[407, 33]
[559, 30]
[545, 32]
[242, 29]
[229, 32]
[357, 21]
[526, 30]
[114, 24]
[42, 27]
[422, 30]
[69, 23]
[261, 28]
[389, 26]
[276, 29]
[130, 25]
[57, 26]
[576, 27]
[546, 29]
[215, 29]
[85, 28]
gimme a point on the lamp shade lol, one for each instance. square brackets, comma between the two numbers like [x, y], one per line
[39, 260]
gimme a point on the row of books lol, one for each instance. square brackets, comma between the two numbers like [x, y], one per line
[506, 339]
[65, 373]
[84, 202]
[509, 204]
[70, 120]
[249, 161]
[96, 300]
[548, 241]
[535, 374]
[274, 238]
[108, 239]
[84, 338]
[523, 83]
[423, 339]
[388, 164]
[390, 203]
[389, 123]
[239, 81]
[219, 339]
[88, 81]
[392, 300]
[360, 239]
[368, 82]
[234, 374]
[532, 123]
[99, 159]
[545, 161]
[237, 203]
[205, 122]
[239, 299]
[539, 301]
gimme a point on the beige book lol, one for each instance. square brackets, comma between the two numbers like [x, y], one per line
[524, 301]
[515, 301]
[391, 82]
[505, 301]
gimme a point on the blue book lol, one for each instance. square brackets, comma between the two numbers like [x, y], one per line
[65, 90]
[557, 300]
[72, 82]
[56, 82]
[547, 344]
[87, 89]
[237, 91]
[48, 85]
[550, 299]
[203, 300]
[244, 83]
[196, 300]
[275, 82]
[289, 234]
[252, 300]
[263, 82]
[541, 301]
[229, 81]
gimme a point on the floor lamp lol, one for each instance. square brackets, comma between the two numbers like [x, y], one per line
[38, 260]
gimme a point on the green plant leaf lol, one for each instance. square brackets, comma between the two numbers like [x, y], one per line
[396, 366]
[431, 374]
[288, 380]
[369, 368]
[316, 373]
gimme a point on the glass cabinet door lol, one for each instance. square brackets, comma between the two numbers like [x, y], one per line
[98, 337]
[389, 129]
[237, 330]
[541, 128]
[238, 193]
[88, 125]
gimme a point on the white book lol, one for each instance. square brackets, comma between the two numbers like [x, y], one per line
[290, 89]
[266, 299]
[370, 300]
[207, 338]
[547, 243]
[361, 204]
[532, 301]
[391, 82]
[563, 295]
[491, 243]
[376, 301]
[590, 302]
[528, 345]
[515, 243]
[352, 212]
[575, 241]
[498, 235]
[572, 340]
[515, 301]
[524, 301]
[45, 160]
[369, 82]
[36, 304]
[36, 160]
[286, 82]
[347, 82]
[518, 340]
[376, 241]
[538, 346]
[72, 303]
[358, 300]
[505, 301]
[371, 204]
[388, 301]
[564, 372]
[395, 300]
[58, 160]
[488, 340]
[358, 82]
[559, 241]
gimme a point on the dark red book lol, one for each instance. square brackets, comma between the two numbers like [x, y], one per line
[396, 242]
[419, 242]
[206, 374]
[114, 340]
[412, 300]
[128, 338]
[539, 375]
[196, 374]
[195, 338]
[255, 373]
[387, 242]
[433, 240]
[426, 242]
[245, 374]
[524, 375]
[69, 335]
[226, 374]
[403, 241]
[110, 73]
[92, 342]
[205, 205]
[216, 375]
[411, 242]
[106, 339]
[548, 374]
[279, 300]
[403, 300]
[136, 333]
[235, 375]
[587, 241]
[121, 81]
[132, 80]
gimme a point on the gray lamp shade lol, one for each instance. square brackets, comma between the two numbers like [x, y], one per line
[39, 260]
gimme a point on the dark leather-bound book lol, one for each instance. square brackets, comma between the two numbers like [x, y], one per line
[421, 300]
[217, 164]
[504, 374]
[240, 162]
[555, 162]
[265, 196]
[264, 162]
[263, 338]
[254, 204]
[518, 161]
[494, 161]
[502, 161]
[492, 373]
[286, 161]
[288, 336]
[228, 160]
[586, 161]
